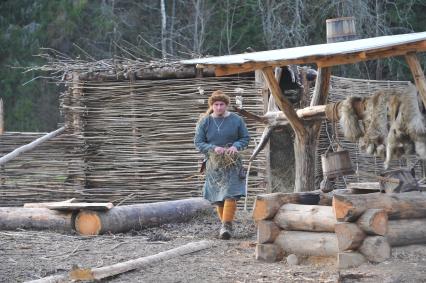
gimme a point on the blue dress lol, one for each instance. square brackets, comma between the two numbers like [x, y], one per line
[222, 183]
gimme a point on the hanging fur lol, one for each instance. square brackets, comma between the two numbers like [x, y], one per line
[407, 133]
[375, 124]
[349, 123]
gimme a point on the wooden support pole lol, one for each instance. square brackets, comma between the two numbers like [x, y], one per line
[397, 206]
[308, 243]
[406, 232]
[1, 117]
[302, 217]
[283, 102]
[12, 155]
[418, 75]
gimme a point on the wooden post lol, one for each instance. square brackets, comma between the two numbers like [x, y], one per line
[418, 75]
[76, 103]
[1, 117]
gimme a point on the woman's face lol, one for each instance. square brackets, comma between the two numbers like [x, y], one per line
[219, 108]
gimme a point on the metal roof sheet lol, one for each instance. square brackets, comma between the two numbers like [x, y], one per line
[329, 49]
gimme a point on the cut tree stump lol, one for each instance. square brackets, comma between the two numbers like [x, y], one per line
[115, 269]
[12, 218]
[269, 252]
[308, 243]
[406, 232]
[375, 248]
[301, 217]
[138, 216]
[374, 222]
[267, 231]
[397, 206]
[349, 236]
[349, 260]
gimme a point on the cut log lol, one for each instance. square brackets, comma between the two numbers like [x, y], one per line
[138, 216]
[375, 248]
[349, 236]
[406, 232]
[12, 218]
[349, 260]
[397, 206]
[115, 269]
[267, 205]
[45, 204]
[374, 222]
[267, 231]
[269, 252]
[301, 217]
[80, 205]
[308, 243]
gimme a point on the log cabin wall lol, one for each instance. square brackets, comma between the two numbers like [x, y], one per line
[133, 144]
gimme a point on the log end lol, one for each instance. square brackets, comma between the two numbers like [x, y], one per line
[380, 223]
[261, 210]
[269, 252]
[88, 223]
[342, 210]
[349, 260]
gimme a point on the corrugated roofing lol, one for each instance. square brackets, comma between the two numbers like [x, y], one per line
[311, 51]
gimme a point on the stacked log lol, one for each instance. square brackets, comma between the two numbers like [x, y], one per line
[369, 225]
[294, 223]
[355, 229]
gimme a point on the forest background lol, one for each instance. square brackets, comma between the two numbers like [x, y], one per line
[175, 29]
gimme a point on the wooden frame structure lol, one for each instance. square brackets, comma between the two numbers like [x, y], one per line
[324, 56]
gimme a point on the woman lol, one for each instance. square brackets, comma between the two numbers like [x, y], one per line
[220, 135]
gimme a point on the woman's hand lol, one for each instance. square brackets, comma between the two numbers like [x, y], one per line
[219, 150]
[231, 150]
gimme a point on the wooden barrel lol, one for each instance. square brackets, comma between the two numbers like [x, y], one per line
[336, 164]
[341, 29]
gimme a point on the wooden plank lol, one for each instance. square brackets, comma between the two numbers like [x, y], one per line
[418, 75]
[45, 204]
[283, 102]
[102, 206]
[1, 117]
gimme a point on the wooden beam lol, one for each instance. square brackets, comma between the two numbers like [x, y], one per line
[323, 61]
[282, 102]
[418, 75]
[1, 117]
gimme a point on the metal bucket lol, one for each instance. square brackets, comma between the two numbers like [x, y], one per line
[336, 164]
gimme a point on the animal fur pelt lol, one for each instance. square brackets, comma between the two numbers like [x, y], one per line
[407, 133]
[352, 129]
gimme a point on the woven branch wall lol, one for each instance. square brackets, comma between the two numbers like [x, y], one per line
[366, 166]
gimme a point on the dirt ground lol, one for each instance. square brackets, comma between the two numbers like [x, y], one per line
[28, 255]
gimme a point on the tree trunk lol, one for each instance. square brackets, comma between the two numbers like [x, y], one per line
[374, 222]
[308, 243]
[375, 249]
[397, 206]
[138, 216]
[305, 218]
[267, 231]
[349, 236]
[12, 218]
[406, 232]
[304, 153]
